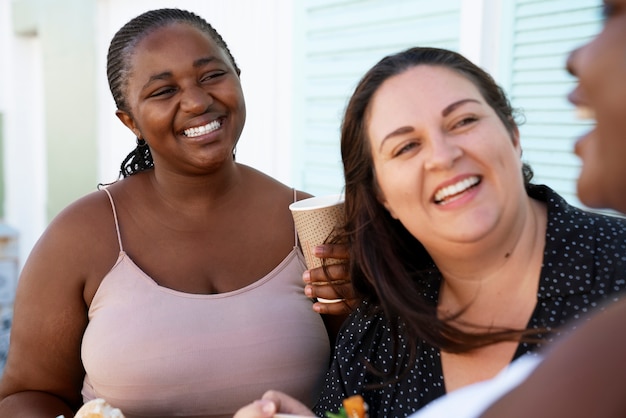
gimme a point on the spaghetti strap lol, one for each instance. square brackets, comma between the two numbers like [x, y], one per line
[295, 232]
[117, 226]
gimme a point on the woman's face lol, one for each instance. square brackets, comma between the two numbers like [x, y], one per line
[185, 99]
[445, 164]
[601, 94]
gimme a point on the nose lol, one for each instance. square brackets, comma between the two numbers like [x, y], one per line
[444, 151]
[195, 99]
[570, 63]
[572, 68]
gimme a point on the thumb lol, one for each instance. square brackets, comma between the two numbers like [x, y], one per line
[258, 409]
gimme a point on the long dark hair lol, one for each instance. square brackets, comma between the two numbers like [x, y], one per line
[388, 265]
[118, 66]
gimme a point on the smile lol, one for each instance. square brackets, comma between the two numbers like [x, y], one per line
[447, 194]
[202, 130]
[585, 113]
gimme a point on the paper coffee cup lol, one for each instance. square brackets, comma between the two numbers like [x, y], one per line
[316, 219]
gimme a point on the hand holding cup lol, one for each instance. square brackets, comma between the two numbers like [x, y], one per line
[317, 219]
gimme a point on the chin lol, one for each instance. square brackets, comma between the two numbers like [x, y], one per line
[592, 193]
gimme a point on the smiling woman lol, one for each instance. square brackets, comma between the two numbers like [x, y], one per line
[153, 293]
[463, 264]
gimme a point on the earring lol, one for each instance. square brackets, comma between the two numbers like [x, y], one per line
[141, 142]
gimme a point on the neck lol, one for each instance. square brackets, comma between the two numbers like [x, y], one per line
[497, 271]
[186, 191]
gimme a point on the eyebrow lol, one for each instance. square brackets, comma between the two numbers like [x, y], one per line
[200, 62]
[448, 109]
[408, 129]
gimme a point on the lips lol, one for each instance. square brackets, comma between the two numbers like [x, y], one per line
[452, 192]
[202, 130]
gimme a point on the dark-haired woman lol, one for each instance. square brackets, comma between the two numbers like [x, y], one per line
[176, 291]
[463, 264]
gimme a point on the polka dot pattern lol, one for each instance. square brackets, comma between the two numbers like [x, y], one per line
[584, 267]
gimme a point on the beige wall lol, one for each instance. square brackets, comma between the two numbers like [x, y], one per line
[60, 132]
[65, 29]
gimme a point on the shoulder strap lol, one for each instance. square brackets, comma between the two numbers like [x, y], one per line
[117, 226]
[295, 232]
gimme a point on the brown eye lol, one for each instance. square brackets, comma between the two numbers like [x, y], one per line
[466, 121]
[406, 148]
[212, 76]
[163, 91]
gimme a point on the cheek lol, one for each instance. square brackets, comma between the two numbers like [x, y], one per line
[402, 198]
[611, 122]
[593, 178]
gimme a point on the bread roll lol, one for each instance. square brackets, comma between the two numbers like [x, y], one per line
[98, 408]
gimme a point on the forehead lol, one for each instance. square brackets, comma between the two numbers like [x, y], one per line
[427, 84]
[174, 43]
[417, 92]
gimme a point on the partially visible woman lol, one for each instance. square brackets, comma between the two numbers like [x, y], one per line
[463, 264]
[176, 291]
[585, 375]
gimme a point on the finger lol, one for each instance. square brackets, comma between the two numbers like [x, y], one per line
[286, 404]
[339, 251]
[330, 290]
[330, 273]
[257, 409]
[343, 307]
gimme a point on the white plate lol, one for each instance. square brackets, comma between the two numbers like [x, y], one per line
[291, 416]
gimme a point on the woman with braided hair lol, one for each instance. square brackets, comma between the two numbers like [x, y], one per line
[177, 290]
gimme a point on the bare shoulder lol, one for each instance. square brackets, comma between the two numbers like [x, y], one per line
[78, 246]
[271, 186]
[85, 219]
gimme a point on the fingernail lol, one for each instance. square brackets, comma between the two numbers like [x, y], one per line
[306, 276]
[318, 251]
[269, 408]
[308, 291]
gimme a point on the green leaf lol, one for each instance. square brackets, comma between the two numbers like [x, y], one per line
[340, 414]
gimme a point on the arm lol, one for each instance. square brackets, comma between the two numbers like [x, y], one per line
[582, 376]
[44, 374]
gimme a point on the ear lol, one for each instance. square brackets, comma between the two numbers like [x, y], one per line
[516, 142]
[128, 120]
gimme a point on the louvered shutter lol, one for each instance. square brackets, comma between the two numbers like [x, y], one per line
[543, 33]
[341, 40]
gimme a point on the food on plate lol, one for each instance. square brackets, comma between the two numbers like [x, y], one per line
[98, 408]
[353, 407]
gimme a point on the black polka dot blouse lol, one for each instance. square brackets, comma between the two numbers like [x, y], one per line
[584, 267]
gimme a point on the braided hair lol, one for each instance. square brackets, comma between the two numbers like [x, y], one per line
[119, 56]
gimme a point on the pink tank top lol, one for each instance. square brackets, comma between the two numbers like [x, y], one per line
[156, 352]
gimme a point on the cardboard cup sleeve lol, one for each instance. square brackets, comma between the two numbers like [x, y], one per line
[316, 219]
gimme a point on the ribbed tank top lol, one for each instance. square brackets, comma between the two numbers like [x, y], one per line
[156, 352]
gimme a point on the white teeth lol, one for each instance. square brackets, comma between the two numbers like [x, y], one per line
[201, 130]
[585, 113]
[456, 188]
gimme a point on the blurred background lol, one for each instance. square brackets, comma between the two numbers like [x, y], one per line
[300, 61]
